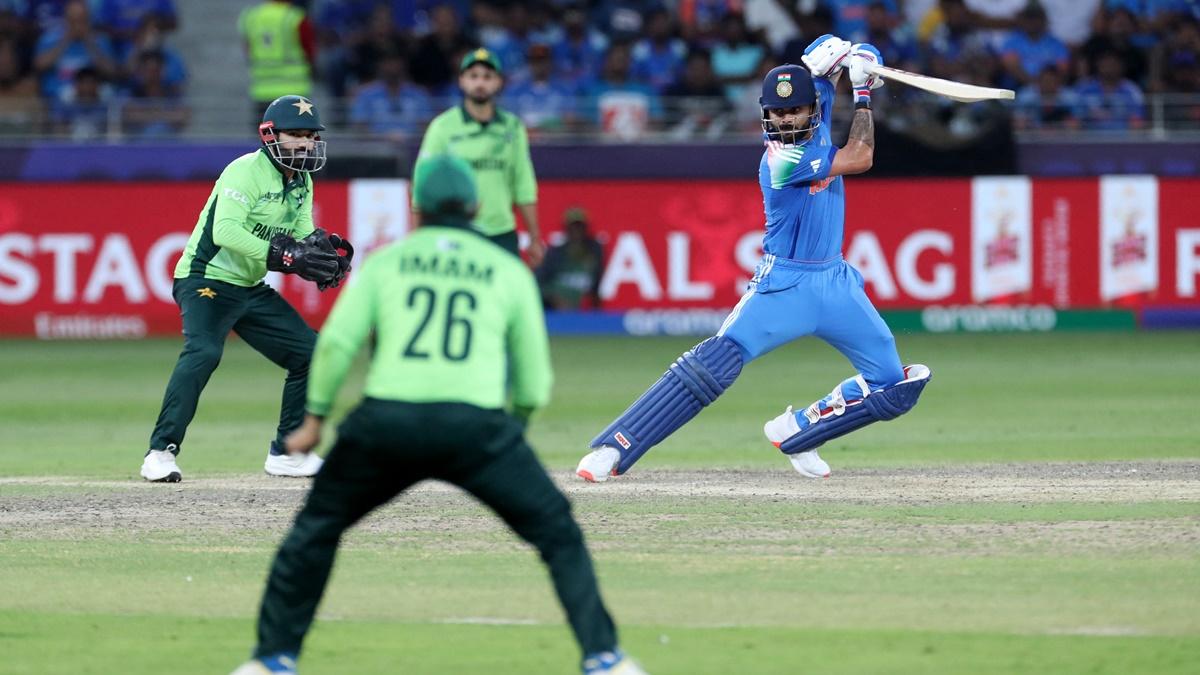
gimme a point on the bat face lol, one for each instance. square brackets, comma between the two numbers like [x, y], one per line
[956, 91]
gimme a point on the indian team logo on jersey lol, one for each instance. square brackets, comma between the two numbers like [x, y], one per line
[783, 88]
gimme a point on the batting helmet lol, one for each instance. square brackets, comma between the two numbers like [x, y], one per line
[293, 113]
[789, 86]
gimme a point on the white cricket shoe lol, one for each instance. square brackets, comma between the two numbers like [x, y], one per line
[808, 463]
[611, 663]
[159, 466]
[293, 466]
[599, 464]
[279, 665]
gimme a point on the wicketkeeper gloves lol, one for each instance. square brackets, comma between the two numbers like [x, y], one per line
[311, 262]
[332, 243]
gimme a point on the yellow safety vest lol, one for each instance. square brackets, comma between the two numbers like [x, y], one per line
[277, 63]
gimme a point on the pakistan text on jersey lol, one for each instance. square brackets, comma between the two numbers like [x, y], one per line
[265, 233]
[446, 267]
[489, 164]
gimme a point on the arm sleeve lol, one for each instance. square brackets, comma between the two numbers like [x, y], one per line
[304, 218]
[524, 181]
[434, 142]
[790, 167]
[528, 345]
[234, 197]
[340, 339]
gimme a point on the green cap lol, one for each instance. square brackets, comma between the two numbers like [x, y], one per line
[444, 189]
[480, 55]
[290, 113]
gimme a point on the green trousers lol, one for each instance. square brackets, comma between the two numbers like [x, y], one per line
[509, 241]
[210, 309]
[384, 447]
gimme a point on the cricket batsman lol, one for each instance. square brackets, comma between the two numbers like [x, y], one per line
[801, 286]
[496, 145]
[258, 218]
[445, 305]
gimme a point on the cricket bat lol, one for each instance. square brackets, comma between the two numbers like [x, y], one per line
[957, 91]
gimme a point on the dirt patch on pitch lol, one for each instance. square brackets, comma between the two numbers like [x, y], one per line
[762, 512]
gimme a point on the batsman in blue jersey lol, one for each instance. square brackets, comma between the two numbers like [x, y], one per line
[801, 286]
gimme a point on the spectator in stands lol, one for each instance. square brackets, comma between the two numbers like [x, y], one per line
[623, 108]
[1117, 34]
[543, 100]
[622, 20]
[736, 55]
[509, 39]
[154, 108]
[340, 28]
[434, 58]
[382, 37]
[850, 17]
[894, 40]
[281, 47]
[19, 104]
[151, 37]
[1177, 59]
[658, 57]
[580, 53]
[570, 275]
[62, 52]
[1158, 15]
[122, 19]
[1048, 104]
[44, 15]
[391, 106]
[82, 113]
[955, 42]
[700, 20]
[811, 22]
[1029, 49]
[698, 105]
[1109, 101]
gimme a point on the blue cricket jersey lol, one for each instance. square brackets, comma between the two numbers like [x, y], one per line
[805, 209]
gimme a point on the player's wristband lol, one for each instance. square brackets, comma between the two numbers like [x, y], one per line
[862, 98]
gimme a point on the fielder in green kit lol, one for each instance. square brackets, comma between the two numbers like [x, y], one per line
[494, 142]
[258, 218]
[446, 306]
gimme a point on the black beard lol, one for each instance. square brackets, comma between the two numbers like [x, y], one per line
[479, 100]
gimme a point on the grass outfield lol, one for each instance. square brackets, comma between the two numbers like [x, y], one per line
[1039, 511]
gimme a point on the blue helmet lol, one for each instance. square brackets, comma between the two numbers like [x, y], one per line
[789, 86]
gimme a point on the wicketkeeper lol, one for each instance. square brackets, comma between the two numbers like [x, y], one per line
[257, 219]
[446, 306]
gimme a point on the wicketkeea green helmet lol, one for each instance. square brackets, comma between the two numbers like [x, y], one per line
[293, 113]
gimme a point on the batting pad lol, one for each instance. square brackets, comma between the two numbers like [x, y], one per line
[695, 380]
[883, 405]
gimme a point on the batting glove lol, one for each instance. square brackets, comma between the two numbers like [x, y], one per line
[825, 55]
[862, 56]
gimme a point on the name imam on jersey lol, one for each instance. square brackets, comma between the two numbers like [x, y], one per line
[451, 267]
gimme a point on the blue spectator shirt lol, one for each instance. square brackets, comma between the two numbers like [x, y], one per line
[74, 58]
[174, 70]
[46, 14]
[735, 62]
[599, 90]
[580, 62]
[1112, 109]
[804, 208]
[1038, 112]
[383, 111]
[1035, 55]
[850, 17]
[657, 65]
[127, 14]
[542, 105]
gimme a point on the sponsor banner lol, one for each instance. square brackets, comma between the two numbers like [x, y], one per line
[96, 260]
[1001, 238]
[1128, 237]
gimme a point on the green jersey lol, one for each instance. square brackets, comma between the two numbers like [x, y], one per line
[251, 202]
[454, 316]
[498, 152]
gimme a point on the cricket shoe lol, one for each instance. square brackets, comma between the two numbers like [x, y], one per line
[598, 465]
[611, 663]
[159, 466]
[293, 466]
[281, 664]
[808, 463]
